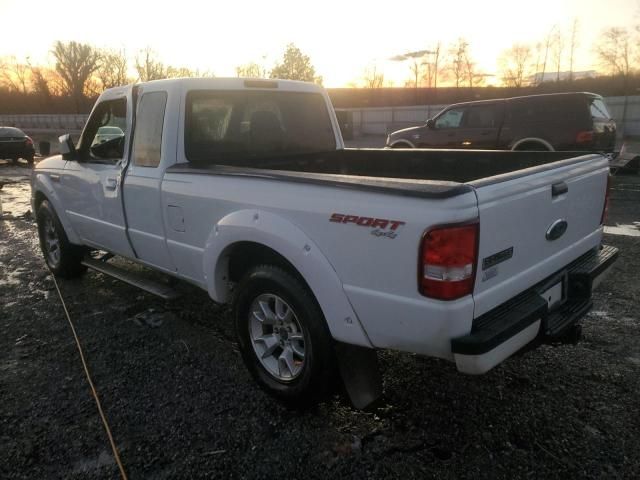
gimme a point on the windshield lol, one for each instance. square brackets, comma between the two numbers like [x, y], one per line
[247, 123]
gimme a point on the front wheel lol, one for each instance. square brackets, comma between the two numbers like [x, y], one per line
[62, 257]
[283, 336]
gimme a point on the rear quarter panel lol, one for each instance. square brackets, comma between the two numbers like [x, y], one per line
[377, 274]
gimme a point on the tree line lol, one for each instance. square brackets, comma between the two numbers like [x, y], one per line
[79, 72]
[521, 65]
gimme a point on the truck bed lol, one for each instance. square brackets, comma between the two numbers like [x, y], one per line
[420, 173]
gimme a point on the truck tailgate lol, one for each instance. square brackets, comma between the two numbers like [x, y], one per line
[533, 223]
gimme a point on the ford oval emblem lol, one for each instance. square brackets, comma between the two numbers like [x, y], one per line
[556, 230]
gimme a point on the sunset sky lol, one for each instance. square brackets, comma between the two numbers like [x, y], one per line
[342, 38]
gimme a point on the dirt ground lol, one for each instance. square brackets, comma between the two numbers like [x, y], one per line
[181, 405]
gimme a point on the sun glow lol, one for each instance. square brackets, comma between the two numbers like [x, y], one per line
[342, 39]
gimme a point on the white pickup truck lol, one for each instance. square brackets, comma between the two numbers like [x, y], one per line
[244, 188]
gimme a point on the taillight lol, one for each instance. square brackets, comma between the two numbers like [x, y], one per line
[28, 141]
[584, 137]
[447, 264]
[605, 208]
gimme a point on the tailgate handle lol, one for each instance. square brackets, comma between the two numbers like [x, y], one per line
[558, 189]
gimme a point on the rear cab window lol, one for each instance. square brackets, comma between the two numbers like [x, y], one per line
[221, 124]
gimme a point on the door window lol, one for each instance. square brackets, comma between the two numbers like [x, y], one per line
[450, 119]
[147, 138]
[103, 138]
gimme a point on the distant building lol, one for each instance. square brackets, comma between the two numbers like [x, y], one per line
[539, 77]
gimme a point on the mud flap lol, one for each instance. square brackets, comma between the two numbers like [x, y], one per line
[360, 373]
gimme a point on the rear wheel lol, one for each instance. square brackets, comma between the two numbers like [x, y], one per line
[532, 147]
[283, 337]
[63, 258]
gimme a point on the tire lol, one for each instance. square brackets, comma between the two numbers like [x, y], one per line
[292, 360]
[401, 145]
[29, 160]
[63, 258]
[532, 147]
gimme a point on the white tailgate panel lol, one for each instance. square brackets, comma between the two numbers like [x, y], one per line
[519, 212]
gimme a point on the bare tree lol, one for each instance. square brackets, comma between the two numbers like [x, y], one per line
[372, 78]
[432, 65]
[416, 62]
[614, 50]
[15, 75]
[558, 48]
[474, 77]
[252, 70]
[113, 68]
[148, 66]
[75, 63]
[547, 45]
[573, 44]
[514, 65]
[458, 65]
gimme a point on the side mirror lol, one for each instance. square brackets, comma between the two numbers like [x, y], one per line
[431, 124]
[67, 148]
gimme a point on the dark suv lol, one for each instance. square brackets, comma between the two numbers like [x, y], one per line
[559, 121]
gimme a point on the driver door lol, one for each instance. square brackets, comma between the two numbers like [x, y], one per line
[92, 182]
[446, 132]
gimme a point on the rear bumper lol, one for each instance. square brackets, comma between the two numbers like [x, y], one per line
[526, 318]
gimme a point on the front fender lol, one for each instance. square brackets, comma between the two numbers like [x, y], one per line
[42, 183]
[288, 240]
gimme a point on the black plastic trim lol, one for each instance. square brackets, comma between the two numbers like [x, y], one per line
[500, 324]
[503, 322]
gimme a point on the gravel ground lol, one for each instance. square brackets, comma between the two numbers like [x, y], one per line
[181, 405]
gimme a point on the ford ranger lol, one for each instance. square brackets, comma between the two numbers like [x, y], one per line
[244, 189]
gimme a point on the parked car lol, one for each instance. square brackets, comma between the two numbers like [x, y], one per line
[244, 189]
[15, 144]
[558, 121]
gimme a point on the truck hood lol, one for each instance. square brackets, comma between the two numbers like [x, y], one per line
[405, 133]
[53, 162]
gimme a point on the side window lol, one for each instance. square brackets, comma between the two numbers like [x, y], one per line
[104, 136]
[147, 140]
[450, 119]
[481, 117]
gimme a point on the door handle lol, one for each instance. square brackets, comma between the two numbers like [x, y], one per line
[558, 189]
[54, 177]
[111, 183]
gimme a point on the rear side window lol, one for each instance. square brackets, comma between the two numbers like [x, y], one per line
[551, 109]
[481, 117]
[220, 124]
[599, 109]
[147, 140]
